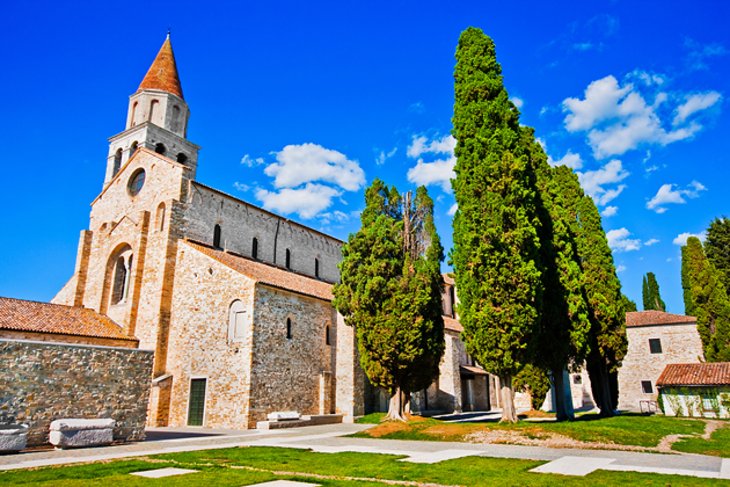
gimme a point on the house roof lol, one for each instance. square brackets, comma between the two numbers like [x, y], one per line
[33, 316]
[162, 75]
[452, 324]
[702, 374]
[648, 318]
[268, 274]
[472, 369]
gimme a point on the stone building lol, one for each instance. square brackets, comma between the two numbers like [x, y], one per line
[656, 339]
[234, 300]
[695, 390]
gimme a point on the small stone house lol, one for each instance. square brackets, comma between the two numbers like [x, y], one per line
[655, 340]
[69, 362]
[695, 390]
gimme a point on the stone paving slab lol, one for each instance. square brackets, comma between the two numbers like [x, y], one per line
[438, 456]
[163, 472]
[579, 466]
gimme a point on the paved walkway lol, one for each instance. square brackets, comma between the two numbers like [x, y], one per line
[331, 439]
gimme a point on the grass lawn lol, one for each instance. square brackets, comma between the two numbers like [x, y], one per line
[718, 444]
[245, 466]
[626, 429]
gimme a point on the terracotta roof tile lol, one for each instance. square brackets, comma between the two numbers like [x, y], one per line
[162, 75]
[32, 316]
[646, 318]
[268, 274]
[703, 374]
[452, 324]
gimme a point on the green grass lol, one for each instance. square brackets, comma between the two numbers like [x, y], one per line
[219, 468]
[626, 429]
[372, 418]
[718, 444]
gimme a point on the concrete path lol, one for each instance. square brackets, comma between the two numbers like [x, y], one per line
[331, 439]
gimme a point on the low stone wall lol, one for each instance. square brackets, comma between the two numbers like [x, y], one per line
[43, 381]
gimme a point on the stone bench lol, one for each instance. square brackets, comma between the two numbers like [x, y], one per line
[13, 437]
[79, 433]
[283, 416]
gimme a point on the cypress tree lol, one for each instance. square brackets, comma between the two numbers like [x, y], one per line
[717, 247]
[496, 245]
[564, 320]
[650, 293]
[709, 301]
[629, 305]
[390, 292]
[606, 312]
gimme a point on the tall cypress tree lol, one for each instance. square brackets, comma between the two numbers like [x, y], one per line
[607, 314]
[650, 293]
[717, 247]
[564, 322]
[496, 244]
[708, 299]
[390, 292]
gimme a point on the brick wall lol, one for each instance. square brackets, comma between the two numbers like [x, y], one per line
[42, 381]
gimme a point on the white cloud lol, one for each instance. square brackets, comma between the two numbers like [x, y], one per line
[249, 161]
[594, 182]
[307, 201]
[241, 186]
[336, 216]
[452, 209]
[618, 118]
[518, 102]
[437, 172]
[609, 211]
[620, 268]
[667, 195]
[619, 240]
[384, 156]
[299, 164]
[681, 239]
[570, 159]
[694, 104]
[650, 242]
[700, 53]
[421, 145]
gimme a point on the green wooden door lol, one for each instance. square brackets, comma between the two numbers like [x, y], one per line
[196, 405]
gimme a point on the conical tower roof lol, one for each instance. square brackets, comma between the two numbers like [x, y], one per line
[162, 75]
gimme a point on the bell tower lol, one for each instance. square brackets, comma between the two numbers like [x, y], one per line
[157, 118]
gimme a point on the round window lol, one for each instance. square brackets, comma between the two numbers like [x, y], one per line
[136, 182]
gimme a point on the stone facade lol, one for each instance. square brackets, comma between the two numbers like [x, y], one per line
[680, 343]
[42, 381]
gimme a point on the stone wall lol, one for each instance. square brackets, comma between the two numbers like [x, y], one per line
[241, 222]
[43, 381]
[286, 372]
[680, 345]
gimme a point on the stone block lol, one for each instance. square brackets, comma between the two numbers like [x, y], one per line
[76, 433]
[13, 437]
[283, 416]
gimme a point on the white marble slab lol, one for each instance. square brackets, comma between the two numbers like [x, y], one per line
[163, 472]
[578, 466]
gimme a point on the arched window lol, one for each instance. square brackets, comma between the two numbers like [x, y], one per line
[120, 284]
[327, 335]
[160, 148]
[133, 121]
[288, 329]
[182, 158]
[217, 236]
[117, 161]
[237, 319]
[316, 268]
[255, 248]
[133, 148]
[153, 109]
[175, 122]
[160, 217]
[288, 259]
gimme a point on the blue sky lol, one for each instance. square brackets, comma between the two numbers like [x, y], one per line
[298, 105]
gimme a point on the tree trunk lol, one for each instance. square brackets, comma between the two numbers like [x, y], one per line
[598, 373]
[396, 407]
[562, 411]
[509, 413]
